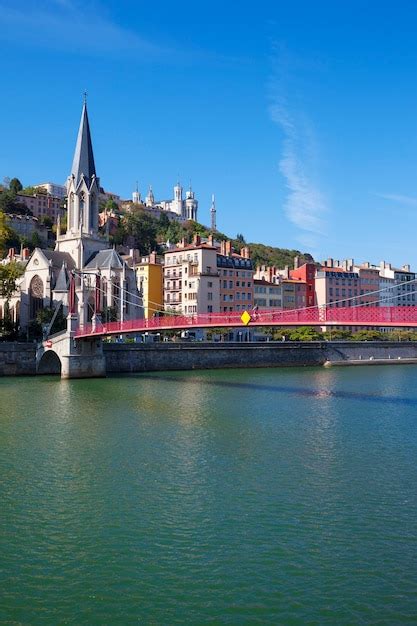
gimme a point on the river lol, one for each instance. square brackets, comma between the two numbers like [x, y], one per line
[266, 496]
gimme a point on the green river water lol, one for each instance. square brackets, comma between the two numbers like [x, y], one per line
[279, 496]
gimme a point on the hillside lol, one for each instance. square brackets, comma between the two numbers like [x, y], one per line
[148, 233]
[278, 257]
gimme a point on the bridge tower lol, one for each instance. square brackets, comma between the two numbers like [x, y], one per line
[78, 358]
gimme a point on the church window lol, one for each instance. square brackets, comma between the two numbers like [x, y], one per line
[35, 296]
[93, 211]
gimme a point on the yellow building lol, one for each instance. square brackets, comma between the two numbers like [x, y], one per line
[149, 272]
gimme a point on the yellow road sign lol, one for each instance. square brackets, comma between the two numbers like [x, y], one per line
[245, 317]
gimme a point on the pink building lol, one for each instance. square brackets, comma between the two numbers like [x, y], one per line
[42, 205]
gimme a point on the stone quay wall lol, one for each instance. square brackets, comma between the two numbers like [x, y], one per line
[187, 356]
[17, 359]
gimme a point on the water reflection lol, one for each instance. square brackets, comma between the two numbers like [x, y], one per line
[300, 391]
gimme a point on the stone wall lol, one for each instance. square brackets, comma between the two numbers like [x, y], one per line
[184, 356]
[17, 359]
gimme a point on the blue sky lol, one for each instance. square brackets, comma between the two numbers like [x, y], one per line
[301, 117]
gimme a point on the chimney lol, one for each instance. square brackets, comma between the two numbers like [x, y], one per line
[296, 262]
[152, 257]
[11, 253]
[223, 248]
[196, 240]
[210, 240]
[406, 268]
[245, 252]
[228, 247]
[25, 254]
[329, 262]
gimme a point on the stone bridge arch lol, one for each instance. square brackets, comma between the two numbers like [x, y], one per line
[49, 363]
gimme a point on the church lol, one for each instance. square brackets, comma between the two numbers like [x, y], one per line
[104, 282]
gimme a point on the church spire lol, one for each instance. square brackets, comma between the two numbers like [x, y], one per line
[83, 162]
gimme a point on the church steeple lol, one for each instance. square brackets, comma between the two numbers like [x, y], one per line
[83, 162]
[83, 191]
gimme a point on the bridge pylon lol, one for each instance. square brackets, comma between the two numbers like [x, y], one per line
[78, 358]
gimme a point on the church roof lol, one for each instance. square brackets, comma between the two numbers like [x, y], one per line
[104, 259]
[62, 280]
[83, 162]
[58, 258]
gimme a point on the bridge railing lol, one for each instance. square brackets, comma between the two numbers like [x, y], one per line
[370, 316]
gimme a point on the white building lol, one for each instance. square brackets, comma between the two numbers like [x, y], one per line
[398, 286]
[184, 208]
[192, 279]
[53, 189]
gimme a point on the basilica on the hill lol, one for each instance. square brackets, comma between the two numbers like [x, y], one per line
[82, 251]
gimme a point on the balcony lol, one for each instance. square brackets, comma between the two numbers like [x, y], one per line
[172, 288]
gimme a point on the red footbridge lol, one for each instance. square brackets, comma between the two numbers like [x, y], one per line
[360, 316]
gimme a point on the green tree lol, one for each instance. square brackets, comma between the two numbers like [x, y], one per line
[8, 284]
[15, 185]
[368, 335]
[9, 274]
[174, 233]
[111, 206]
[279, 257]
[35, 240]
[279, 333]
[304, 333]
[8, 237]
[9, 204]
[47, 221]
[43, 318]
[338, 334]
[30, 191]
[141, 230]
[163, 223]
[240, 239]
[220, 334]
[401, 335]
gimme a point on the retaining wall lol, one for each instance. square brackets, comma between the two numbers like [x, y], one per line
[17, 359]
[185, 356]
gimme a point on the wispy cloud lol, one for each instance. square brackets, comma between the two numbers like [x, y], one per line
[398, 199]
[305, 204]
[87, 28]
[69, 25]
